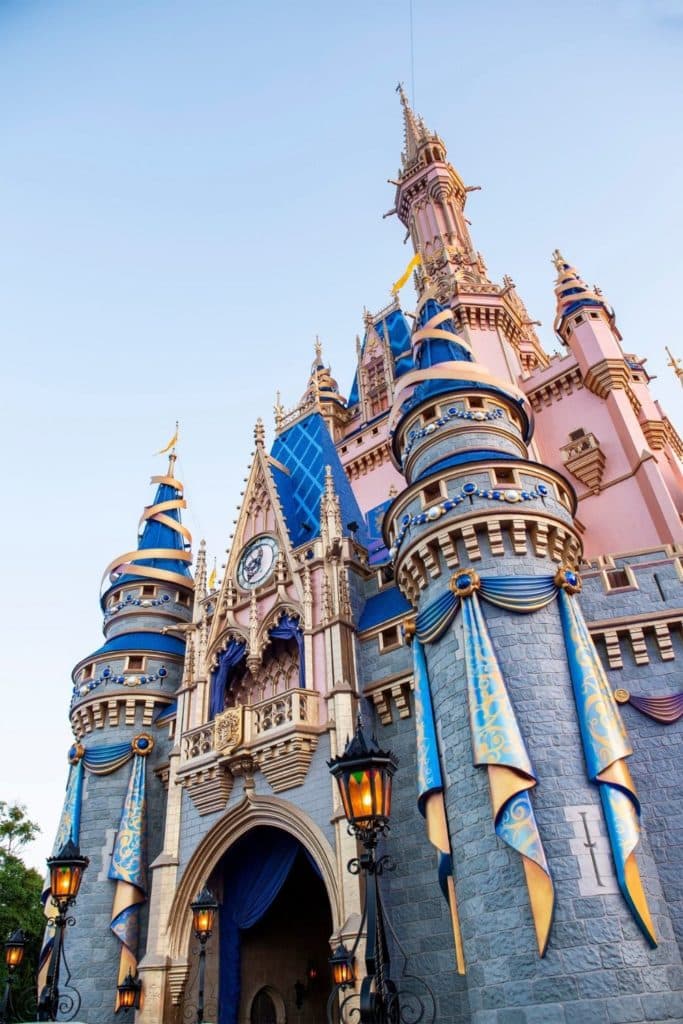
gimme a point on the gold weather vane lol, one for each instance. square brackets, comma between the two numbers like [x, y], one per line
[675, 364]
[559, 260]
[172, 443]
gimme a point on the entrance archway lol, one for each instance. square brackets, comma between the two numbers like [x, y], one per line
[274, 925]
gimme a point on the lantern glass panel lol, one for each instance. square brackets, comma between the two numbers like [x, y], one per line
[14, 954]
[203, 920]
[65, 880]
[126, 998]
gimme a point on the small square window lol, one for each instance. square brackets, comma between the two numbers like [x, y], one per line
[431, 493]
[617, 578]
[343, 449]
[385, 576]
[88, 671]
[182, 598]
[359, 440]
[429, 415]
[389, 639]
[475, 403]
[148, 590]
[135, 663]
[574, 435]
[375, 430]
[115, 598]
[578, 319]
[504, 476]
[594, 316]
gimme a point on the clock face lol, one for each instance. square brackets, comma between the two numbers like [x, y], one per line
[257, 562]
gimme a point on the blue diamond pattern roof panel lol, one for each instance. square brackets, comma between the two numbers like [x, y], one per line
[306, 449]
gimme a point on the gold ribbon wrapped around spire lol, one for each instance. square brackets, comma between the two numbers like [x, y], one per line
[127, 564]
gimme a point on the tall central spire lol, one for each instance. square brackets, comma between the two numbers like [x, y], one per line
[430, 202]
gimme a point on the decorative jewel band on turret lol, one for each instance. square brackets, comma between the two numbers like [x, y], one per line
[510, 495]
[452, 413]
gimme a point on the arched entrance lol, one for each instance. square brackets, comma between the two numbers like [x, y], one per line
[274, 925]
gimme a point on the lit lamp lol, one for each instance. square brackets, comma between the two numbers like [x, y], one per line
[342, 964]
[203, 909]
[14, 954]
[66, 874]
[364, 774]
[129, 993]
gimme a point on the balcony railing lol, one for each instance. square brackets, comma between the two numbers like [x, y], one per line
[248, 725]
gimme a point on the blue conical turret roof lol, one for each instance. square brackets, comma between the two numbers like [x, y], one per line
[162, 535]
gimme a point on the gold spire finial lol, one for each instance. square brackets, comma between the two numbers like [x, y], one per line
[318, 348]
[259, 433]
[413, 127]
[675, 364]
[559, 260]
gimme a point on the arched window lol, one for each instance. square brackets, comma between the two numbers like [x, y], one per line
[263, 1009]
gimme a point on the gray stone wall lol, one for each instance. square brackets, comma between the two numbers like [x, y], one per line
[598, 966]
[91, 947]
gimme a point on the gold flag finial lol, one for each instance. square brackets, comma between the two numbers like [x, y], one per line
[675, 364]
[558, 260]
[173, 442]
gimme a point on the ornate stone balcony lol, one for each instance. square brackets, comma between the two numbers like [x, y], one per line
[278, 735]
[585, 460]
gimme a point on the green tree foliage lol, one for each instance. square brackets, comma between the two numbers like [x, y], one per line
[20, 905]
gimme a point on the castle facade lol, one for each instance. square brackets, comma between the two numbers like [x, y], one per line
[479, 550]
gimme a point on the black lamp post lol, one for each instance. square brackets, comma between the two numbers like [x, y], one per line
[129, 993]
[14, 954]
[342, 963]
[203, 915]
[364, 775]
[66, 874]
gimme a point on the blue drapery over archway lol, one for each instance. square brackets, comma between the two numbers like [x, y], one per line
[288, 627]
[256, 869]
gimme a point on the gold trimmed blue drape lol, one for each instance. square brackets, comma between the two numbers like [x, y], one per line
[69, 828]
[498, 744]
[129, 861]
[605, 745]
[128, 866]
[430, 787]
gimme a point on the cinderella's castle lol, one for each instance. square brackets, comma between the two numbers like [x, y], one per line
[480, 549]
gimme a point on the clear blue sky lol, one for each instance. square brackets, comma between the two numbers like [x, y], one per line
[191, 190]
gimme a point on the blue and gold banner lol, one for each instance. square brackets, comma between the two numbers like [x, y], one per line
[430, 798]
[605, 745]
[498, 745]
[129, 863]
[69, 828]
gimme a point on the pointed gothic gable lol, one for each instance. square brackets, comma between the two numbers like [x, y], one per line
[299, 458]
[391, 325]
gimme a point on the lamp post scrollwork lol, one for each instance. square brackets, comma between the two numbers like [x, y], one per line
[66, 874]
[364, 774]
